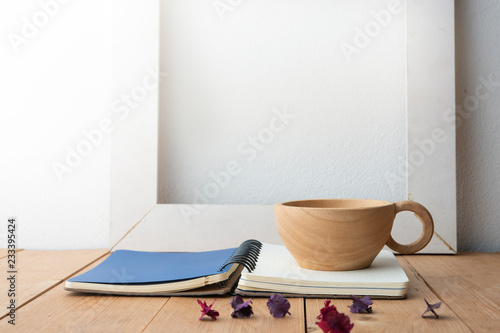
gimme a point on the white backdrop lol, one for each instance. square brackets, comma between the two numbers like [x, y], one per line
[306, 116]
[55, 84]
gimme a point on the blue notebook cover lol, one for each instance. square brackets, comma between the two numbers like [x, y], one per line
[134, 267]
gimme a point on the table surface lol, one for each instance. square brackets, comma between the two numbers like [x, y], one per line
[467, 284]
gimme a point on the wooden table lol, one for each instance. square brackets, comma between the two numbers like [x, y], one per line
[468, 284]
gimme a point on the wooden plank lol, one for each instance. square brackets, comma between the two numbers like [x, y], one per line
[468, 282]
[181, 315]
[394, 315]
[38, 271]
[59, 310]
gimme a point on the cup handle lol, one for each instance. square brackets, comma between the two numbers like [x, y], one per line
[428, 228]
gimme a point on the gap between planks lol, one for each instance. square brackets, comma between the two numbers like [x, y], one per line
[467, 282]
[394, 315]
[156, 314]
[181, 315]
[4, 252]
[441, 299]
[52, 286]
[58, 309]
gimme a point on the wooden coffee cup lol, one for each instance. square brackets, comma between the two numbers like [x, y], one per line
[345, 234]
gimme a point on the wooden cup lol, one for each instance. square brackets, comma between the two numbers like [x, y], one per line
[345, 234]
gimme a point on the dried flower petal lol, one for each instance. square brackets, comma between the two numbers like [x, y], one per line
[431, 307]
[361, 304]
[332, 321]
[241, 308]
[207, 310]
[278, 306]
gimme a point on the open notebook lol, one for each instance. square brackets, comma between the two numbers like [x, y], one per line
[127, 272]
[278, 272]
[265, 269]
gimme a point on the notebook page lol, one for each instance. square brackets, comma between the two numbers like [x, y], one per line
[276, 264]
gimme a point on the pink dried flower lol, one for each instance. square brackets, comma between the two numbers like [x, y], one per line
[207, 310]
[331, 321]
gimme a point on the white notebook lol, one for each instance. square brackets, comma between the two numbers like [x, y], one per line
[278, 272]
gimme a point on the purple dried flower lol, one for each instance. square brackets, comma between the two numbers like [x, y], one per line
[241, 309]
[278, 306]
[331, 321]
[361, 304]
[431, 308]
[207, 310]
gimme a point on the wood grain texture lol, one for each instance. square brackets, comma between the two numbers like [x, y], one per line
[181, 315]
[326, 234]
[427, 228]
[58, 310]
[394, 315]
[38, 271]
[468, 282]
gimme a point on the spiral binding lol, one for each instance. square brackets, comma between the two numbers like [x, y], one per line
[246, 254]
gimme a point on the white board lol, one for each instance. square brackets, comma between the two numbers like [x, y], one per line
[404, 76]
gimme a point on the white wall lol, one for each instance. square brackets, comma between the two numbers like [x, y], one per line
[55, 82]
[235, 74]
[478, 133]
